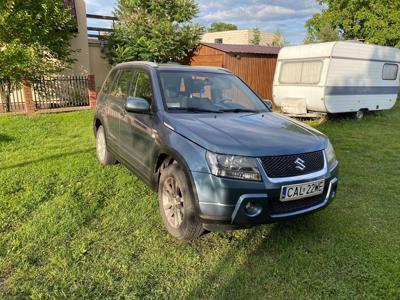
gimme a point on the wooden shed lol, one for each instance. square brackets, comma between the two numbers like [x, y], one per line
[253, 64]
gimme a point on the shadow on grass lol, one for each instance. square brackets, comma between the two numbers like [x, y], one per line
[4, 138]
[51, 157]
[279, 240]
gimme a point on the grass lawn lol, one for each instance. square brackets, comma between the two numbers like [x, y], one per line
[70, 228]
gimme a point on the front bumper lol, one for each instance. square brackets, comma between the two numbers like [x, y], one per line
[223, 201]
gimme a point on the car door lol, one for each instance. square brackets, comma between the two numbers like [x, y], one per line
[110, 109]
[116, 105]
[136, 129]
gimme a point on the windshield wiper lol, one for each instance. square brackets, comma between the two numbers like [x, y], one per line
[239, 110]
[195, 109]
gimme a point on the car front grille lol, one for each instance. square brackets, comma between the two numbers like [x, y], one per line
[285, 165]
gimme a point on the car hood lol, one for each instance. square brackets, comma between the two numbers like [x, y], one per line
[260, 134]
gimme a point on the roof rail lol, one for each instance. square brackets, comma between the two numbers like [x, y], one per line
[225, 69]
[146, 63]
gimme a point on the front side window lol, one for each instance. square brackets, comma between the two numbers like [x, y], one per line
[208, 92]
[390, 71]
[142, 87]
[121, 87]
[306, 72]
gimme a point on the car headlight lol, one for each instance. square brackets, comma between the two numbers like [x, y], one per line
[232, 166]
[330, 155]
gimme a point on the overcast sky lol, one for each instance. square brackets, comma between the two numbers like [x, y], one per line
[288, 16]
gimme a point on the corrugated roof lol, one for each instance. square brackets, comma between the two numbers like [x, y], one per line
[249, 49]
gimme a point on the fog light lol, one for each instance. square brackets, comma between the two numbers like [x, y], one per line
[252, 208]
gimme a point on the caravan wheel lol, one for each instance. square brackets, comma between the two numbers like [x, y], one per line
[359, 114]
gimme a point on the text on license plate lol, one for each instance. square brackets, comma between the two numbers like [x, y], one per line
[302, 190]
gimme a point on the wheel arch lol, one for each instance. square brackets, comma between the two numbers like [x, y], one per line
[165, 157]
[170, 156]
[97, 122]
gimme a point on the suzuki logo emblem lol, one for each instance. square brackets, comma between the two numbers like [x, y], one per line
[300, 164]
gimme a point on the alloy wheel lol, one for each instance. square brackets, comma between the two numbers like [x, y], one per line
[172, 200]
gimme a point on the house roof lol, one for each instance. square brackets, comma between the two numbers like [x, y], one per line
[248, 49]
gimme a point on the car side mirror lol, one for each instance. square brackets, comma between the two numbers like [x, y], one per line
[137, 105]
[268, 103]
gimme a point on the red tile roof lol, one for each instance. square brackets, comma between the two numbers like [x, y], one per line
[248, 49]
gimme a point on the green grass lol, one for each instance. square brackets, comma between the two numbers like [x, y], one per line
[70, 228]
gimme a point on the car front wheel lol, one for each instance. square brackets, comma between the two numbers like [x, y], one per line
[177, 204]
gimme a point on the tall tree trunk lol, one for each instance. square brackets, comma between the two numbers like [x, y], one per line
[3, 95]
[8, 96]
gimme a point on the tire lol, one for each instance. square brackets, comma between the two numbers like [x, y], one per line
[103, 155]
[359, 115]
[177, 204]
[331, 116]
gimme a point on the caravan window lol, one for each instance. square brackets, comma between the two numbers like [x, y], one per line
[389, 71]
[311, 72]
[307, 72]
[291, 72]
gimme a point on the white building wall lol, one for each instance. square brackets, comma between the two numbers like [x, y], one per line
[80, 43]
[237, 37]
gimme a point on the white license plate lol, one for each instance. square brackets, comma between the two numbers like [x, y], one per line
[302, 190]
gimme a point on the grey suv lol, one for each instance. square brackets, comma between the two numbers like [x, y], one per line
[212, 149]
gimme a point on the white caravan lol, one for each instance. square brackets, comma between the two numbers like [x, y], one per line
[336, 77]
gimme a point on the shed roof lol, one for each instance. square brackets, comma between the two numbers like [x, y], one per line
[248, 49]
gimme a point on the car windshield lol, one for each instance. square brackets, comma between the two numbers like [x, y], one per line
[202, 92]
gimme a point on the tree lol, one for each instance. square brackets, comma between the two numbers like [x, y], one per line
[320, 31]
[34, 40]
[373, 21]
[279, 39]
[154, 30]
[256, 40]
[221, 26]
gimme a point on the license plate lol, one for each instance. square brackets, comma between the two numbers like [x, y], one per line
[302, 190]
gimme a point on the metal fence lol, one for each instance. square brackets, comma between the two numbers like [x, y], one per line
[47, 93]
[59, 92]
[11, 98]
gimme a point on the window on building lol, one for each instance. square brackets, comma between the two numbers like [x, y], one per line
[219, 41]
[307, 72]
[390, 71]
